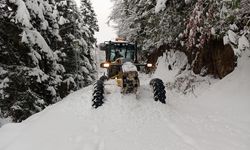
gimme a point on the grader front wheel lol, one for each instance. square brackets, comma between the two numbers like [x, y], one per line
[98, 94]
[159, 90]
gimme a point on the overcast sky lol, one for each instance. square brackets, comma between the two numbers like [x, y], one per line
[103, 9]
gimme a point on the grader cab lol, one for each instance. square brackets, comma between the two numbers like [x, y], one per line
[118, 53]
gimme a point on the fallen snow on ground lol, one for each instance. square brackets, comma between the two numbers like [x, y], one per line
[218, 119]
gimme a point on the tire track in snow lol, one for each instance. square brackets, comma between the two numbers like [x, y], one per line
[187, 139]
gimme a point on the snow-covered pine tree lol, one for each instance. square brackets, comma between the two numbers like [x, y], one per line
[150, 23]
[77, 43]
[244, 17]
[32, 53]
[89, 16]
[88, 27]
[124, 15]
[29, 81]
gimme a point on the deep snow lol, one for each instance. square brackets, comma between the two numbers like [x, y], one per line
[218, 119]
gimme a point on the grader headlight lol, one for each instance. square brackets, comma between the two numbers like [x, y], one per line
[149, 65]
[106, 65]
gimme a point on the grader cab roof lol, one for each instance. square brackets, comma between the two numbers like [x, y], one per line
[118, 42]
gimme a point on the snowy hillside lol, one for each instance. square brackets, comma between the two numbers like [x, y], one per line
[218, 119]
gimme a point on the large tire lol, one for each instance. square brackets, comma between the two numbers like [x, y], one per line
[98, 94]
[103, 78]
[159, 90]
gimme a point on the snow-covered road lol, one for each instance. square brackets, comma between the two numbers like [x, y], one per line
[218, 119]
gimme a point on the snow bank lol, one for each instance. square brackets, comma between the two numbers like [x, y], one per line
[173, 69]
[243, 43]
[4, 121]
[170, 65]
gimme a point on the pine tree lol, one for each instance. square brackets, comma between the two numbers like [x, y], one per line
[88, 26]
[149, 23]
[77, 43]
[30, 78]
[89, 16]
[44, 49]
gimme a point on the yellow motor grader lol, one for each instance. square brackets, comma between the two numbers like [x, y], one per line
[122, 65]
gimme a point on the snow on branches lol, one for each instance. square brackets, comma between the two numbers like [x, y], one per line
[21, 15]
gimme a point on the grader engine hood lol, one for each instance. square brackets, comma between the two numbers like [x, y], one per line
[128, 66]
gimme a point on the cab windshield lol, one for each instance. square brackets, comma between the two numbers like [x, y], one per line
[125, 52]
